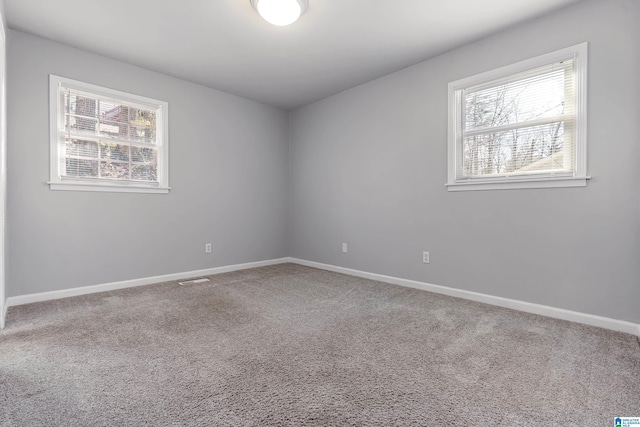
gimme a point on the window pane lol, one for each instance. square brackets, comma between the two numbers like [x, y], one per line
[108, 118]
[114, 170]
[525, 150]
[114, 152]
[144, 155]
[114, 119]
[81, 148]
[144, 173]
[530, 98]
[143, 125]
[84, 114]
[81, 168]
[114, 112]
[81, 125]
[114, 130]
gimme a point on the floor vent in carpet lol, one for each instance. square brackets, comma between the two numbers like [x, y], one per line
[194, 281]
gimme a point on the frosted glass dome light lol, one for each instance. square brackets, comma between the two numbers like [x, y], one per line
[280, 12]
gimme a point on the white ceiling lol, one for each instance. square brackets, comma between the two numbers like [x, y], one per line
[224, 44]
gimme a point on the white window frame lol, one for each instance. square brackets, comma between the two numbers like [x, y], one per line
[577, 179]
[57, 182]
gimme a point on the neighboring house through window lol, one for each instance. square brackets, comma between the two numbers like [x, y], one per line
[520, 126]
[107, 140]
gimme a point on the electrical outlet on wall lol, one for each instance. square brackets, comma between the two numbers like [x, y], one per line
[207, 248]
[425, 257]
[344, 248]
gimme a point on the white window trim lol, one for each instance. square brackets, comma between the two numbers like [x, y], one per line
[578, 179]
[56, 182]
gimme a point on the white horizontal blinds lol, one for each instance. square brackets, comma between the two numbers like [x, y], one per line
[519, 125]
[107, 139]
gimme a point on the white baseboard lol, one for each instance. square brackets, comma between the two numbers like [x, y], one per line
[65, 293]
[543, 310]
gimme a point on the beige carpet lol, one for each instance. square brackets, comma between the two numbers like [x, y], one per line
[291, 345]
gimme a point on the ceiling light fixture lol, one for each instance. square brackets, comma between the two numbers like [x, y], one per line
[280, 12]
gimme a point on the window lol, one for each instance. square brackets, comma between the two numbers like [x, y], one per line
[520, 126]
[106, 140]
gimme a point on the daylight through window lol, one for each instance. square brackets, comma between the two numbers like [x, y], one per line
[519, 127]
[105, 139]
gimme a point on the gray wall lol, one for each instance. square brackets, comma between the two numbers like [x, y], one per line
[369, 167]
[228, 170]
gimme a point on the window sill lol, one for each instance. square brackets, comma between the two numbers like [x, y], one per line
[518, 184]
[113, 188]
